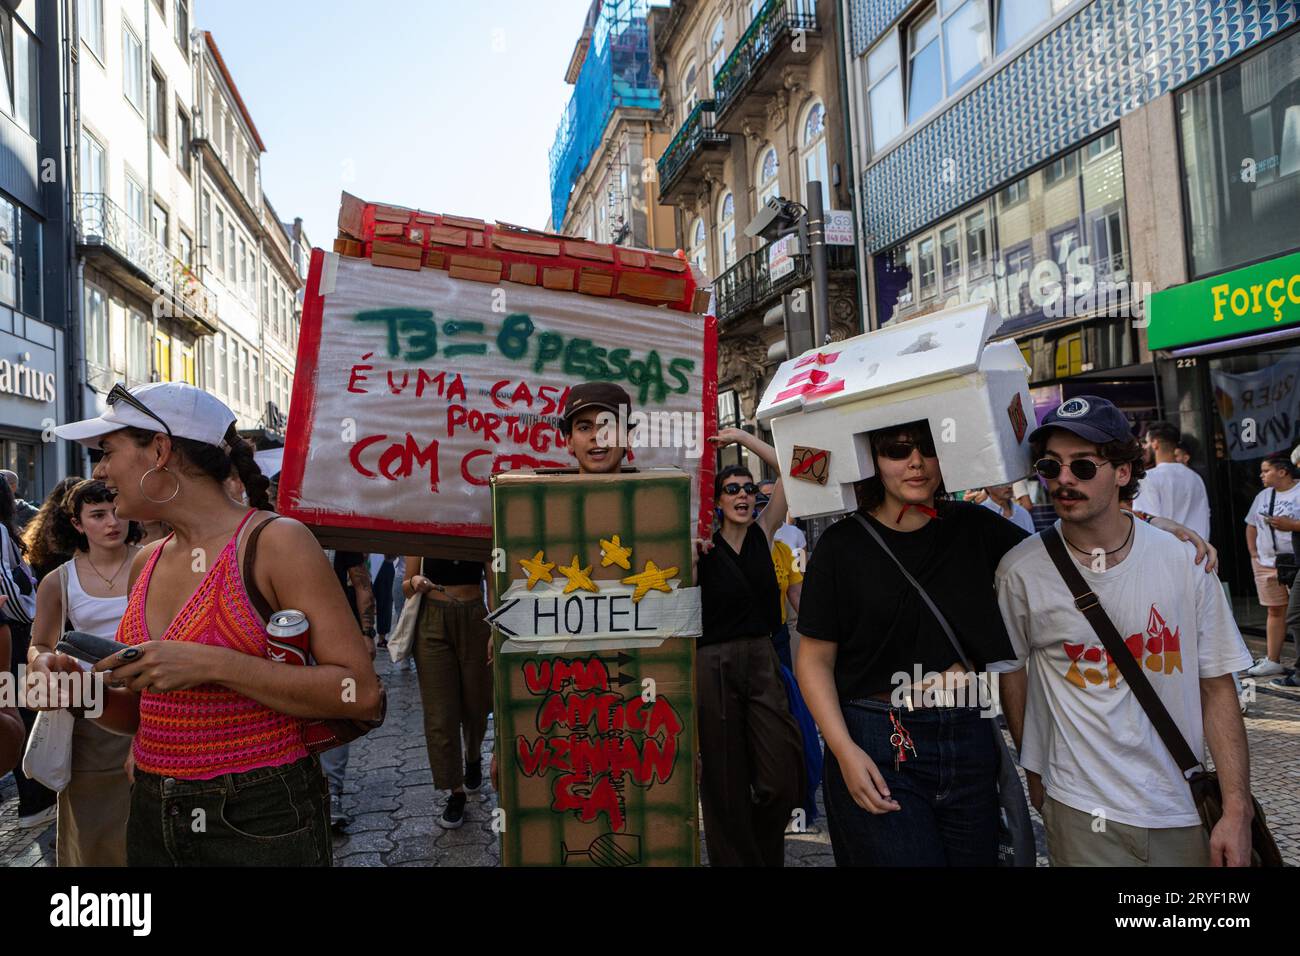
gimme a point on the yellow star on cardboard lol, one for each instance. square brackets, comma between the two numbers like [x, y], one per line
[578, 577]
[613, 552]
[538, 569]
[652, 578]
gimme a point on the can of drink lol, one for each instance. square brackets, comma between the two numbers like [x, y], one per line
[288, 640]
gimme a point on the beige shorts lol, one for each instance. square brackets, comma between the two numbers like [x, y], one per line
[1075, 838]
[1271, 594]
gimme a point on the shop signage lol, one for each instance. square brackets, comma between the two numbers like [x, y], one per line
[21, 380]
[1257, 298]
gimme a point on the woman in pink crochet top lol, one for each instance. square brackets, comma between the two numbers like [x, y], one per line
[222, 775]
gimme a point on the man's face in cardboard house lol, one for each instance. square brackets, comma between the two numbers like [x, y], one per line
[592, 435]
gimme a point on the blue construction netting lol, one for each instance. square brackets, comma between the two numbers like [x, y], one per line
[616, 72]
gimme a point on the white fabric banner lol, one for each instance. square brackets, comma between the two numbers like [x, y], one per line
[424, 385]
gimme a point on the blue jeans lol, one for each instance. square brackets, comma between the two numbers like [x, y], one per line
[947, 791]
[335, 764]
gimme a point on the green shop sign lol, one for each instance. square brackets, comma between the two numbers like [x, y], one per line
[1253, 299]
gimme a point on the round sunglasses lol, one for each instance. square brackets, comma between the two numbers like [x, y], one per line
[1085, 469]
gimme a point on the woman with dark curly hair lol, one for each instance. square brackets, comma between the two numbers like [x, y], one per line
[43, 553]
[88, 593]
[196, 623]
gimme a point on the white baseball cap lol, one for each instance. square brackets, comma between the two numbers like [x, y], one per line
[188, 411]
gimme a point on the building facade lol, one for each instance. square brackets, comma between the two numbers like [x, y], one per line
[36, 309]
[246, 256]
[603, 183]
[145, 311]
[1066, 159]
[751, 89]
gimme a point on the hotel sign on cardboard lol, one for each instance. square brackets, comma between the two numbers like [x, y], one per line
[596, 616]
[437, 351]
[1254, 299]
[939, 368]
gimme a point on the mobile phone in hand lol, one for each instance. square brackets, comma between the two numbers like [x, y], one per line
[88, 647]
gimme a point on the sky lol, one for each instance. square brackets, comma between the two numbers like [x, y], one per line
[448, 107]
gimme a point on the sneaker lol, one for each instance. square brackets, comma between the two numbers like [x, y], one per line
[1263, 667]
[41, 818]
[473, 776]
[337, 817]
[453, 815]
[1290, 680]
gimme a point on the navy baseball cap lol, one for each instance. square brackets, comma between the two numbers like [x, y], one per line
[1091, 418]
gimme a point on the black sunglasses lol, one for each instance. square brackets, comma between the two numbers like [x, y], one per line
[118, 393]
[734, 488]
[1085, 469]
[901, 450]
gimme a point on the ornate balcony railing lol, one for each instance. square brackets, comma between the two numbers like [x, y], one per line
[694, 133]
[102, 222]
[748, 285]
[770, 26]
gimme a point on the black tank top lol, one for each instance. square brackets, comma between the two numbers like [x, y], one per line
[739, 593]
[444, 572]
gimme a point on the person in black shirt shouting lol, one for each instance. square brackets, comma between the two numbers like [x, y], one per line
[750, 748]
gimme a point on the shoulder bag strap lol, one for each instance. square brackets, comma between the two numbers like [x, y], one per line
[259, 601]
[1090, 606]
[934, 608]
[63, 591]
[1272, 502]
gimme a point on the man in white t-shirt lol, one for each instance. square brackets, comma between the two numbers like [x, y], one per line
[1269, 523]
[1000, 500]
[1110, 792]
[1170, 489]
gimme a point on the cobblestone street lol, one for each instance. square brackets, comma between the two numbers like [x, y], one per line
[394, 808]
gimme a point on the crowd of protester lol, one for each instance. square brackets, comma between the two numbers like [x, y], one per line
[172, 547]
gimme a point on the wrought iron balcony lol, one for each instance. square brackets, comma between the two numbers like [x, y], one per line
[769, 40]
[696, 137]
[139, 257]
[748, 285]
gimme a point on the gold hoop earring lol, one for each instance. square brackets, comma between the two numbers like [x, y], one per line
[157, 501]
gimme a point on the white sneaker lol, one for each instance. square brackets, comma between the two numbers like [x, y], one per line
[1264, 667]
[42, 818]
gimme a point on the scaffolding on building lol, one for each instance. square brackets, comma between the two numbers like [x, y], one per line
[616, 73]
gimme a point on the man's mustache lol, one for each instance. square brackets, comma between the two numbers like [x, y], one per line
[1063, 494]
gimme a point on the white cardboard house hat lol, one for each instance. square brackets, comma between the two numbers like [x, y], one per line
[188, 411]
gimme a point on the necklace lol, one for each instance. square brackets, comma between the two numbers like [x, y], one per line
[109, 581]
[1131, 525]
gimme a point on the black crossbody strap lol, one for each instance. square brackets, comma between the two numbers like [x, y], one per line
[1272, 501]
[1090, 606]
[934, 609]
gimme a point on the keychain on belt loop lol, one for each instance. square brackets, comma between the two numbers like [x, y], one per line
[900, 740]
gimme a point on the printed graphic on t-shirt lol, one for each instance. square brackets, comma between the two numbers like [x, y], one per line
[1159, 650]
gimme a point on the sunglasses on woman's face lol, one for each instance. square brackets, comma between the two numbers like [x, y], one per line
[1085, 469]
[734, 488]
[901, 450]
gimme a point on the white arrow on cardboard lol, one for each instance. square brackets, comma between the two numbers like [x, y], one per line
[548, 614]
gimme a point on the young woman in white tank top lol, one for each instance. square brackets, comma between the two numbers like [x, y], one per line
[89, 594]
